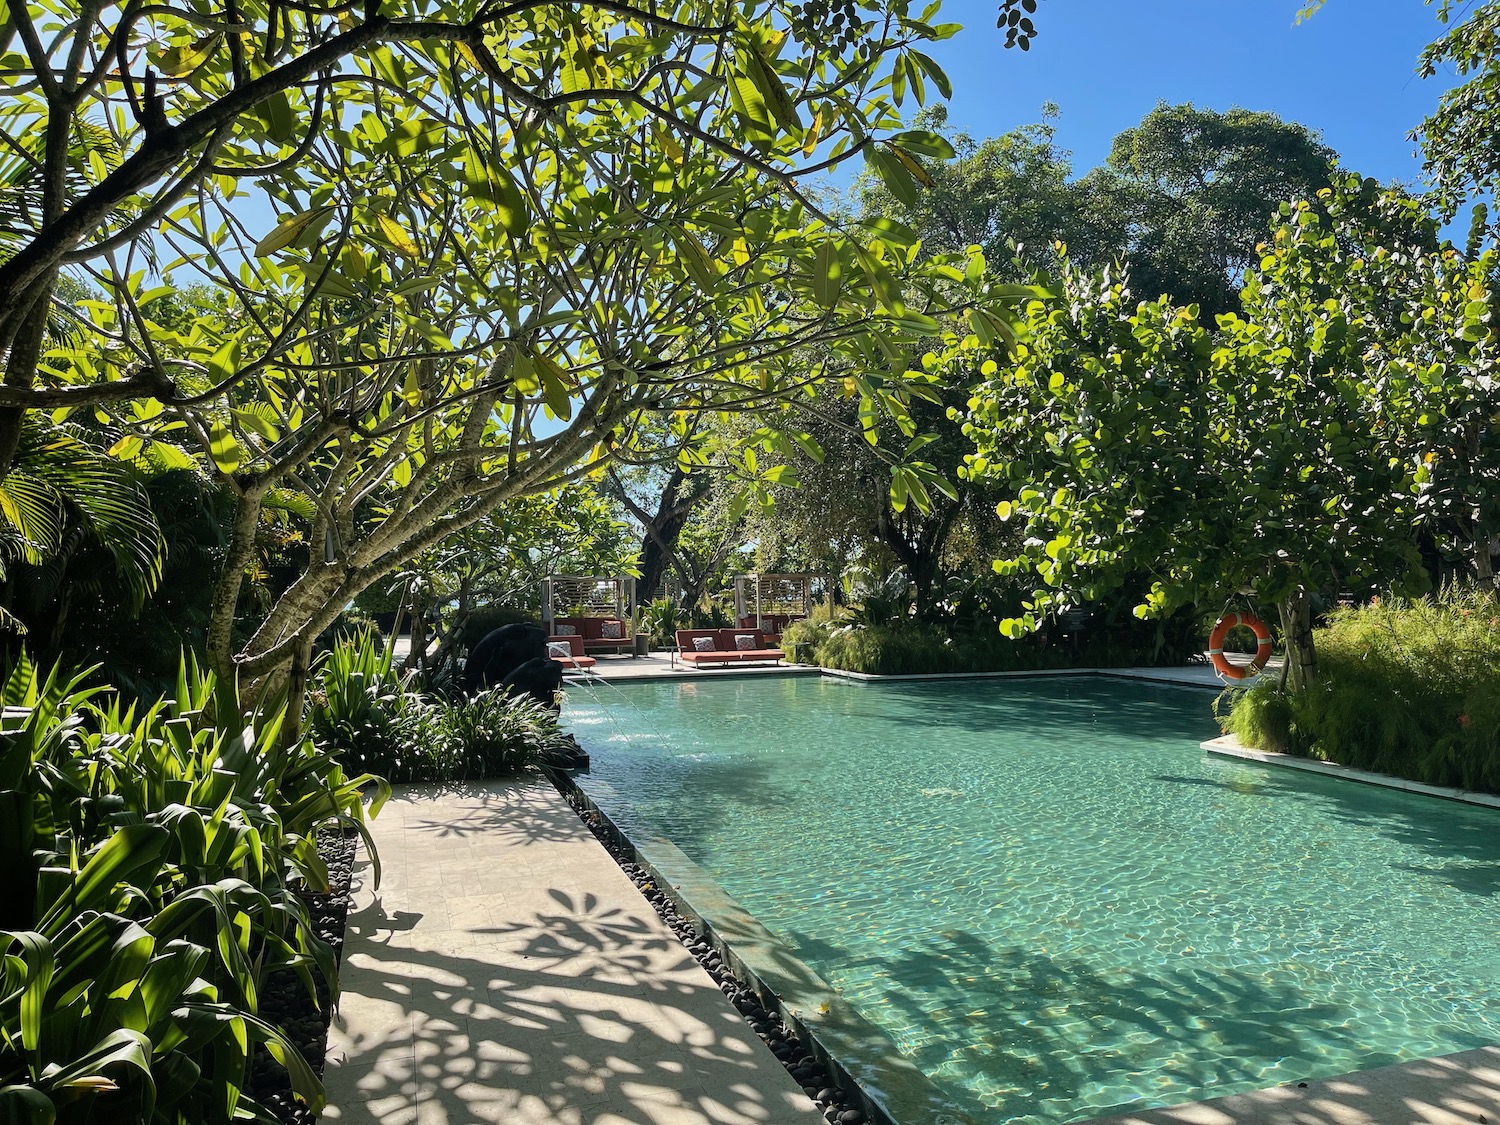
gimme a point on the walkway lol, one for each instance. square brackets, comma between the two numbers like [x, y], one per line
[508, 970]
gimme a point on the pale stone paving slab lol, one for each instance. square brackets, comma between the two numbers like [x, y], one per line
[1452, 1090]
[508, 970]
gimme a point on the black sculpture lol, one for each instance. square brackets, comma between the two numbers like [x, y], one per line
[499, 654]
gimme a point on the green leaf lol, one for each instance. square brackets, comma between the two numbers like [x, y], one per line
[768, 83]
[179, 62]
[892, 173]
[280, 120]
[556, 387]
[924, 142]
[24, 1105]
[934, 72]
[881, 280]
[827, 274]
[290, 229]
[750, 104]
[224, 364]
[695, 259]
[223, 448]
[891, 232]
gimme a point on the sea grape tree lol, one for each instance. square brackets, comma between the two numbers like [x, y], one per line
[1270, 458]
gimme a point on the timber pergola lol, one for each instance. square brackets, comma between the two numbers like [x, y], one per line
[595, 607]
[770, 602]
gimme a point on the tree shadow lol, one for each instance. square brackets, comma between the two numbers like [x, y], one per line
[1054, 1037]
[573, 1011]
[502, 815]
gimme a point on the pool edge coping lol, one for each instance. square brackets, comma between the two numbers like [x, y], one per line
[892, 1089]
[1164, 678]
[1228, 746]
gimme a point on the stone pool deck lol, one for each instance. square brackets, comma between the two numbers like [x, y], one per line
[1450, 1090]
[507, 970]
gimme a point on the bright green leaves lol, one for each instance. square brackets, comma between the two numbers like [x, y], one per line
[223, 448]
[535, 374]
[923, 142]
[828, 273]
[773, 94]
[1292, 447]
[300, 229]
[224, 363]
[897, 162]
[750, 105]
[583, 67]
[183, 59]
[893, 172]
[694, 258]
[761, 101]
[496, 187]
[278, 117]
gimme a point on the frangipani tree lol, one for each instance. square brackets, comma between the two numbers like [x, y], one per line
[507, 238]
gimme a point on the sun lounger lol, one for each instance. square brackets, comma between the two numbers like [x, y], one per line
[725, 646]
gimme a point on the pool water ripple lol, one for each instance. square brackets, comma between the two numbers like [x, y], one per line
[1052, 901]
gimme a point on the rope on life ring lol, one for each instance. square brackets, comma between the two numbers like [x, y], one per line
[1216, 646]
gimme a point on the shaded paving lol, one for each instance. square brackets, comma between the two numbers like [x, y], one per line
[507, 970]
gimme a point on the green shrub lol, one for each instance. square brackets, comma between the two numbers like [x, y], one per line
[1405, 687]
[801, 640]
[910, 647]
[366, 713]
[490, 734]
[1261, 716]
[661, 619]
[356, 696]
[149, 862]
[486, 619]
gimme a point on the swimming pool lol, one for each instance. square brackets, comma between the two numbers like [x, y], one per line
[1050, 899]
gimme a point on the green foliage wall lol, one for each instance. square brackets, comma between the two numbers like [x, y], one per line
[1409, 688]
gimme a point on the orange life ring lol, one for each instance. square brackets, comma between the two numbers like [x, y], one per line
[1262, 646]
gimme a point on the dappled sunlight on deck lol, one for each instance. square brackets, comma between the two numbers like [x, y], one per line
[506, 970]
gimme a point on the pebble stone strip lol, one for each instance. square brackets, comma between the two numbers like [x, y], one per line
[838, 1107]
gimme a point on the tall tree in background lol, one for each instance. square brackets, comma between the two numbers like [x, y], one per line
[1007, 191]
[1187, 195]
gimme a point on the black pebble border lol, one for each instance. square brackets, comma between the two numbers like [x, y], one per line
[838, 1107]
[284, 1000]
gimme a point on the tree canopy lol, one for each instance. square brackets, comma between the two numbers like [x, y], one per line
[507, 239]
[1187, 195]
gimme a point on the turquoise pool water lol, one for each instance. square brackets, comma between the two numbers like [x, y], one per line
[1055, 904]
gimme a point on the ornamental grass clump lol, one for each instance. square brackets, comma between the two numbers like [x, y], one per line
[1408, 687]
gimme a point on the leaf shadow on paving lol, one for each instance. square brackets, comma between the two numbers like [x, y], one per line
[536, 1001]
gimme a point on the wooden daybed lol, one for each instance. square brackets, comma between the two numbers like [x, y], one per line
[726, 647]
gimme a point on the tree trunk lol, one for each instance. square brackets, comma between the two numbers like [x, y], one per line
[1296, 628]
[1484, 564]
[296, 694]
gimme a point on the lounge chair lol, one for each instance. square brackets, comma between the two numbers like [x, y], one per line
[593, 630]
[725, 646]
[568, 651]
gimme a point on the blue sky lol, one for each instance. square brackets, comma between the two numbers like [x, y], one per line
[1348, 72]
